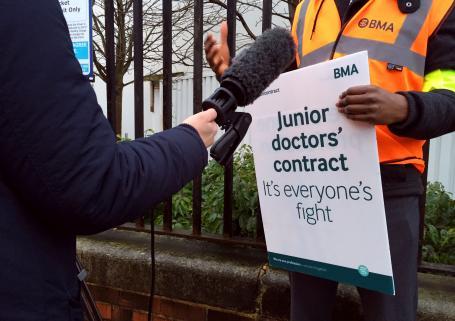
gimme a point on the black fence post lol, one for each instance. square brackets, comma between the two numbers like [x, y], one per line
[197, 105]
[138, 77]
[110, 63]
[167, 92]
[266, 14]
[266, 24]
[228, 170]
[138, 69]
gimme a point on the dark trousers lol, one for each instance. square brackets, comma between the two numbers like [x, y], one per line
[313, 299]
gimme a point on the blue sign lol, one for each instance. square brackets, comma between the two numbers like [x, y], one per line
[81, 50]
[78, 15]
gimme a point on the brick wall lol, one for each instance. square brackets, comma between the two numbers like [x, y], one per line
[205, 281]
[120, 305]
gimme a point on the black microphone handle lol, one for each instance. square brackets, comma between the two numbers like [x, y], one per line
[224, 103]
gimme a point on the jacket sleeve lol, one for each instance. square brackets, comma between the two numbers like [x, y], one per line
[57, 150]
[432, 114]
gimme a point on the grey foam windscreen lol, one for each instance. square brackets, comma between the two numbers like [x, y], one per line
[257, 66]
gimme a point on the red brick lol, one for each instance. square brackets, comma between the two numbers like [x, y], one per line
[105, 310]
[104, 294]
[182, 311]
[121, 314]
[156, 305]
[134, 301]
[140, 316]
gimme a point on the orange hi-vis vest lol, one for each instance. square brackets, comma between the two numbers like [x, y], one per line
[397, 49]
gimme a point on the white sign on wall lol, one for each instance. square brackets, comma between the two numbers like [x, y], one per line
[318, 178]
[78, 15]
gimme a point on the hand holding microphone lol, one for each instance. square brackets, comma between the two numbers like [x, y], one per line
[204, 123]
[252, 71]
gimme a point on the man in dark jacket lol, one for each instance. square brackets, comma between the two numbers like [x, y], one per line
[61, 171]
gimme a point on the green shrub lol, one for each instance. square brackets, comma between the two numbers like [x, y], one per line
[439, 230]
[245, 198]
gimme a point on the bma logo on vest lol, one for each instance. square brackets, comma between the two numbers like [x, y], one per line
[341, 72]
[376, 24]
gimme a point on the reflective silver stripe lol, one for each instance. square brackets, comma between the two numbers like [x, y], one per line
[381, 51]
[413, 24]
[316, 56]
[301, 27]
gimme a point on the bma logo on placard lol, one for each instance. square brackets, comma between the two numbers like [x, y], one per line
[348, 70]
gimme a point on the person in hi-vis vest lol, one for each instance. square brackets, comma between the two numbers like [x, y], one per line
[411, 47]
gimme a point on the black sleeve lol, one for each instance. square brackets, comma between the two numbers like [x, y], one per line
[432, 114]
[441, 46]
[57, 150]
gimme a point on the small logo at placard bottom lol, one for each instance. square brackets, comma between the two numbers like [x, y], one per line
[363, 270]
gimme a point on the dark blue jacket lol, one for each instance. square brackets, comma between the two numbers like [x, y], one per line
[61, 171]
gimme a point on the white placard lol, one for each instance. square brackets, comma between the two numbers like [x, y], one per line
[78, 16]
[319, 179]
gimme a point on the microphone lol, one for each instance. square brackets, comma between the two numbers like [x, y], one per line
[251, 71]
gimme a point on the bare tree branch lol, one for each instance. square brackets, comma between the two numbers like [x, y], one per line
[182, 33]
[239, 16]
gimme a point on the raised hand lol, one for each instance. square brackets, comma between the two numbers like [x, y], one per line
[217, 53]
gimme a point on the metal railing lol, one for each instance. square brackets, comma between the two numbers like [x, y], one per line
[231, 8]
